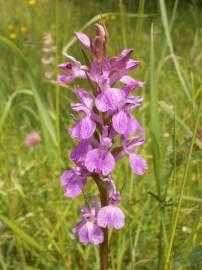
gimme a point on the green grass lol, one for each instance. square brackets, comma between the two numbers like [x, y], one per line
[163, 208]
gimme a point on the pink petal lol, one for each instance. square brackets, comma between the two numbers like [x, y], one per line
[85, 97]
[106, 66]
[138, 164]
[131, 84]
[98, 160]
[72, 183]
[130, 81]
[129, 144]
[84, 39]
[66, 67]
[124, 123]
[133, 102]
[132, 64]
[70, 57]
[91, 233]
[121, 60]
[103, 82]
[80, 151]
[80, 74]
[83, 129]
[110, 216]
[65, 79]
[110, 99]
[78, 107]
[134, 125]
[94, 73]
[121, 122]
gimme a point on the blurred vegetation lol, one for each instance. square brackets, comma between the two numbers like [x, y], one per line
[163, 208]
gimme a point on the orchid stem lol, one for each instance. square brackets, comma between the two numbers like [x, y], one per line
[104, 246]
[104, 199]
[104, 252]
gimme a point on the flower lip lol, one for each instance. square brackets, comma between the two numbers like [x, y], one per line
[83, 129]
[100, 161]
[79, 153]
[91, 233]
[73, 182]
[138, 164]
[110, 99]
[111, 216]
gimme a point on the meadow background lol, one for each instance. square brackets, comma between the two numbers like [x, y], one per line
[163, 208]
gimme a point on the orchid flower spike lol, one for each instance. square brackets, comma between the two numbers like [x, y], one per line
[104, 116]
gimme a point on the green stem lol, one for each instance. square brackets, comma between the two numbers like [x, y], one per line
[57, 105]
[104, 199]
[173, 231]
[123, 23]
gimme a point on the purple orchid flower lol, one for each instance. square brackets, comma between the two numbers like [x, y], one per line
[73, 182]
[87, 229]
[85, 127]
[122, 120]
[100, 160]
[105, 131]
[137, 162]
[111, 216]
[122, 64]
[110, 99]
[79, 153]
[130, 84]
[70, 70]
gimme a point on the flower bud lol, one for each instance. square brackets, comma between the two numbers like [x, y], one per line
[99, 44]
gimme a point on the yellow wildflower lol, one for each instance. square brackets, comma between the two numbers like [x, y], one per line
[10, 26]
[113, 17]
[23, 29]
[13, 35]
[32, 2]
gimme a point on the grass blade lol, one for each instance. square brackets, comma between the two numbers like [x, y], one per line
[46, 121]
[123, 23]
[182, 187]
[27, 238]
[173, 115]
[164, 50]
[139, 22]
[170, 45]
[57, 86]
[154, 118]
[9, 103]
